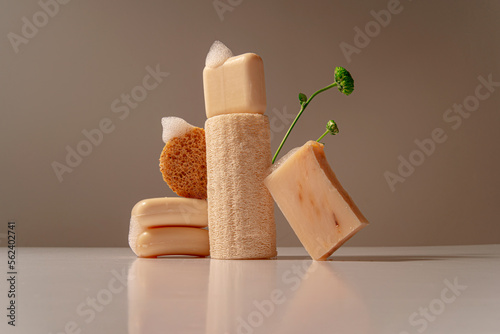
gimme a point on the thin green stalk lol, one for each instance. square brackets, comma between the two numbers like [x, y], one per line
[331, 128]
[302, 108]
[345, 84]
[324, 134]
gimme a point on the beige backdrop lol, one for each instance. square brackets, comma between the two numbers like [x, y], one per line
[427, 93]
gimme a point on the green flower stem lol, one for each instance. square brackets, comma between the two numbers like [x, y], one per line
[324, 134]
[302, 108]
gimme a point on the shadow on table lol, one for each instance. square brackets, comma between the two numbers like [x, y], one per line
[389, 258]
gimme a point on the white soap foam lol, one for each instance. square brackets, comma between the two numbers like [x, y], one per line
[134, 231]
[282, 160]
[217, 54]
[174, 127]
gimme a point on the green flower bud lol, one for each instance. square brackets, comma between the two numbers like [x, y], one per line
[332, 127]
[344, 80]
[302, 97]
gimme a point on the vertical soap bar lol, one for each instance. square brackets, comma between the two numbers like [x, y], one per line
[235, 86]
[320, 211]
[240, 208]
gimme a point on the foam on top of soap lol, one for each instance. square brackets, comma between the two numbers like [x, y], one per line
[217, 54]
[174, 127]
[282, 160]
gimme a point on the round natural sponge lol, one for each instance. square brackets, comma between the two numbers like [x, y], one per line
[183, 159]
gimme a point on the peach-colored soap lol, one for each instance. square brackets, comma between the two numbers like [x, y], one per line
[173, 241]
[236, 86]
[169, 226]
[171, 211]
[319, 210]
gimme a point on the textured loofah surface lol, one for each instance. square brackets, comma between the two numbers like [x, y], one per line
[240, 208]
[183, 164]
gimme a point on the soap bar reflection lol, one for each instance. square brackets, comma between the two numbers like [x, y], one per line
[167, 295]
[192, 295]
[322, 286]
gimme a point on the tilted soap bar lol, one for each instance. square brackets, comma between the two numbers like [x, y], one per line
[319, 210]
[236, 86]
[169, 226]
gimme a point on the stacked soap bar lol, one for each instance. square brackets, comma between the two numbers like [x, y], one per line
[176, 225]
[320, 211]
[238, 151]
[169, 226]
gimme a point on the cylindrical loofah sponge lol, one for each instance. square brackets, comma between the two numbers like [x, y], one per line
[240, 208]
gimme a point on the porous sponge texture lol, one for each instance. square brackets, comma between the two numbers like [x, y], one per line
[183, 164]
[240, 208]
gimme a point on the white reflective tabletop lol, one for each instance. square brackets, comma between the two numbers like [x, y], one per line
[451, 289]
